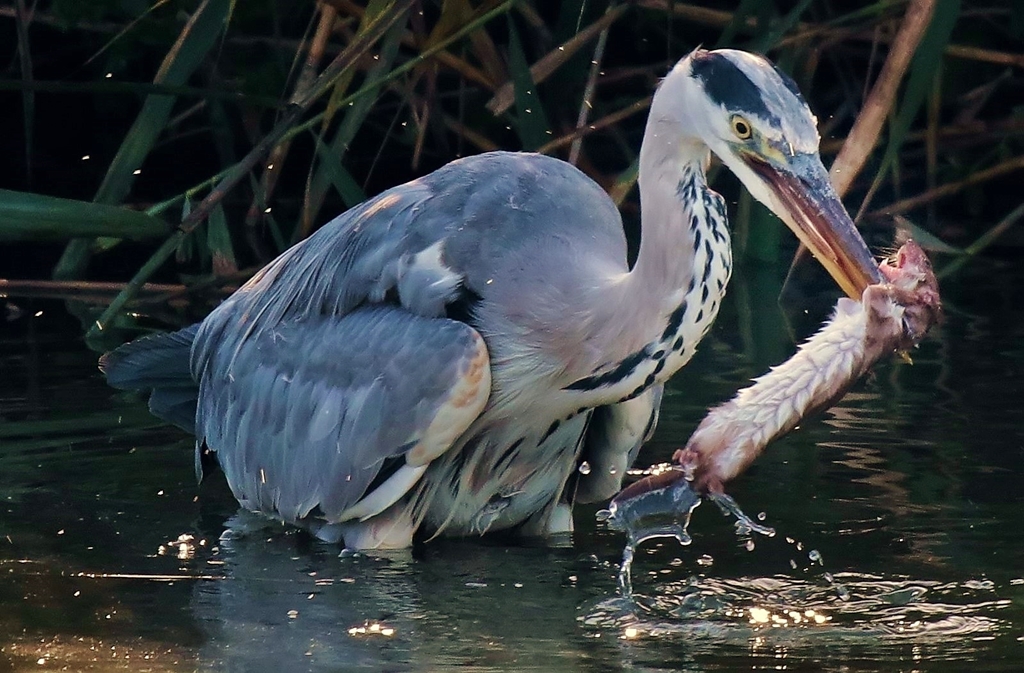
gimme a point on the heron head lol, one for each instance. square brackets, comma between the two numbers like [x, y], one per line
[752, 116]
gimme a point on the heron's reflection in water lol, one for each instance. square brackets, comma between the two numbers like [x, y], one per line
[287, 603]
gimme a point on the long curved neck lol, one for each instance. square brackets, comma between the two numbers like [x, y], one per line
[672, 182]
[684, 242]
[650, 320]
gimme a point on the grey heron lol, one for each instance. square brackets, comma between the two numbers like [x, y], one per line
[444, 357]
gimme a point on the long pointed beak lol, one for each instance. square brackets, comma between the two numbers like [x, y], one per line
[810, 207]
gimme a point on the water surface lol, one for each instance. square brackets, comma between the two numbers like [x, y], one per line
[898, 515]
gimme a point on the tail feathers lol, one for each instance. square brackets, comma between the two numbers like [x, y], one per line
[159, 363]
[151, 362]
[176, 405]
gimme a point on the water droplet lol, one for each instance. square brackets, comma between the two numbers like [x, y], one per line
[706, 560]
[584, 467]
[749, 545]
[792, 564]
[815, 556]
[761, 516]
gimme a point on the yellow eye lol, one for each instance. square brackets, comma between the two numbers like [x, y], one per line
[741, 127]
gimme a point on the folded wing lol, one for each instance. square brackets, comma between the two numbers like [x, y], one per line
[338, 416]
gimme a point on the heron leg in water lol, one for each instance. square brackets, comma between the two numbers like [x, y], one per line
[556, 520]
[391, 529]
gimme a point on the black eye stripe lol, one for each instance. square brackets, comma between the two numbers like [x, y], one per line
[727, 85]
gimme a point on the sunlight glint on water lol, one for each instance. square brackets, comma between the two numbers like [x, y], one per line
[788, 611]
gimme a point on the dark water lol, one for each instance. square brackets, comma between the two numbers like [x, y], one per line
[909, 491]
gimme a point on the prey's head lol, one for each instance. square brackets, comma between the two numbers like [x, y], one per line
[752, 116]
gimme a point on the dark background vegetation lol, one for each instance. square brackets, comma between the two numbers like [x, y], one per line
[136, 109]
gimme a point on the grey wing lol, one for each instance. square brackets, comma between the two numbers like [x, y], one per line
[466, 229]
[339, 415]
[614, 437]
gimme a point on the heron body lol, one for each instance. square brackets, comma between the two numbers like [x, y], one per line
[446, 356]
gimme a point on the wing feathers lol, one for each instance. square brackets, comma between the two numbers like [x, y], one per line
[304, 415]
[385, 495]
[337, 386]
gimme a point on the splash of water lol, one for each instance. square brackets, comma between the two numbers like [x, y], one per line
[744, 524]
[665, 511]
[869, 612]
[858, 610]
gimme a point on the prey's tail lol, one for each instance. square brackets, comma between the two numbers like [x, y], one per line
[158, 363]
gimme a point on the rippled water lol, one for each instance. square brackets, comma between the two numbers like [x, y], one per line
[898, 516]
